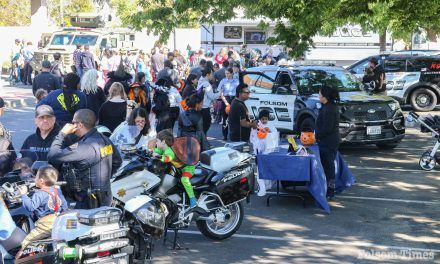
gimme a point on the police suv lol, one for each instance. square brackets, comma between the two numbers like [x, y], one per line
[412, 78]
[290, 94]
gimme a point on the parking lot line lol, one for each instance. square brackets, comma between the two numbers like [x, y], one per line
[321, 242]
[379, 199]
[390, 169]
[389, 200]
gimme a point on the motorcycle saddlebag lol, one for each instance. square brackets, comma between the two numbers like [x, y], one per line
[236, 184]
[39, 252]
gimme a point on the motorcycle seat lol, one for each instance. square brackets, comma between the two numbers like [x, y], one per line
[199, 177]
[134, 166]
[88, 213]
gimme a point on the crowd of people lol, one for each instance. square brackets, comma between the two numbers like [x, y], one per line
[149, 92]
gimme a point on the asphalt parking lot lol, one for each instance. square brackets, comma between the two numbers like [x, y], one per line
[391, 215]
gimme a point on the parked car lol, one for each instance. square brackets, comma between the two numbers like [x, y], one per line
[290, 94]
[411, 79]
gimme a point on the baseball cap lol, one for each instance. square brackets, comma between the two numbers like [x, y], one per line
[2, 103]
[44, 110]
[46, 64]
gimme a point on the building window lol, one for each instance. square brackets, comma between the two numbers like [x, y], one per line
[233, 32]
[255, 37]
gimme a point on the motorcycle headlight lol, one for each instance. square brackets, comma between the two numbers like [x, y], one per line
[152, 215]
[394, 106]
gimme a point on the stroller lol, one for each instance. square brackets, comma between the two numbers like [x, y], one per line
[428, 124]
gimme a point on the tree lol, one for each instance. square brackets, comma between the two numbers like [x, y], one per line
[156, 16]
[297, 21]
[15, 13]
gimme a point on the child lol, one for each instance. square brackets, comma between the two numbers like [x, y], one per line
[265, 143]
[46, 203]
[164, 141]
[270, 140]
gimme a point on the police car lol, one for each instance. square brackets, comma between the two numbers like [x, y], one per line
[290, 94]
[412, 78]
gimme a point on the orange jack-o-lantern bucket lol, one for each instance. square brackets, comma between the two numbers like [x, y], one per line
[262, 132]
[307, 138]
[183, 104]
[227, 109]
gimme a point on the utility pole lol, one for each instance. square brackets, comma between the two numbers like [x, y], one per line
[175, 25]
[62, 13]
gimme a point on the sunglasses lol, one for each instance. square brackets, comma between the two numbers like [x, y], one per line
[246, 92]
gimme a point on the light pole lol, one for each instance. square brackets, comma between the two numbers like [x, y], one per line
[62, 13]
[175, 25]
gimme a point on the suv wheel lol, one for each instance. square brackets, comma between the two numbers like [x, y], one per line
[308, 122]
[387, 145]
[423, 100]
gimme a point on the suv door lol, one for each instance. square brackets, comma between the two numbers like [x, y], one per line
[267, 95]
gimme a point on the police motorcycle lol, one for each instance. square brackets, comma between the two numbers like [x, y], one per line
[152, 190]
[142, 214]
[78, 236]
[21, 175]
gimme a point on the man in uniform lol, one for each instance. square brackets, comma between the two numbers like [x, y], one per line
[90, 162]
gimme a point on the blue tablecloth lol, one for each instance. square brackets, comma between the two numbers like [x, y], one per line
[282, 166]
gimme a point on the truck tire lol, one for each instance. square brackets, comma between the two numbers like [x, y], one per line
[423, 100]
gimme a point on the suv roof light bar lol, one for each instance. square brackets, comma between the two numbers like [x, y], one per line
[310, 63]
[76, 29]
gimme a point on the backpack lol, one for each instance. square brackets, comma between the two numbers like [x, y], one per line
[161, 101]
[187, 150]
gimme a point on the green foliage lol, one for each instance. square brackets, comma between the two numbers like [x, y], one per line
[156, 16]
[297, 21]
[15, 13]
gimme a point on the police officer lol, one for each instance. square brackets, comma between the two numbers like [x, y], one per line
[90, 162]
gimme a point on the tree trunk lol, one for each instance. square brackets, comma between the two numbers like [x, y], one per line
[383, 41]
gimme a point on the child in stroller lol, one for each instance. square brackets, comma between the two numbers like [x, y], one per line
[428, 124]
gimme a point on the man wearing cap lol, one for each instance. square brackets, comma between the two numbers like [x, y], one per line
[46, 80]
[91, 161]
[37, 145]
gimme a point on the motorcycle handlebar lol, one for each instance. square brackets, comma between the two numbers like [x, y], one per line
[413, 114]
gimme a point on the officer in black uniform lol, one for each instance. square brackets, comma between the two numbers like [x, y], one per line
[90, 162]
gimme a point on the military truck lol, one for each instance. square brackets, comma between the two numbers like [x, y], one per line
[64, 42]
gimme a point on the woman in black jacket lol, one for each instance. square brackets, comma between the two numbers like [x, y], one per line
[95, 95]
[327, 134]
[190, 85]
[161, 104]
[191, 121]
[114, 111]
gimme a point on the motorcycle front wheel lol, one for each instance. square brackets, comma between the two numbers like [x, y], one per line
[227, 220]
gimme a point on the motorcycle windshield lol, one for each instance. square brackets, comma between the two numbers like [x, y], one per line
[125, 134]
[24, 165]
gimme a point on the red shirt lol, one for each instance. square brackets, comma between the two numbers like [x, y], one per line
[220, 59]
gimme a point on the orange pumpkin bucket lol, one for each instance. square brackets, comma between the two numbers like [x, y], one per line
[307, 138]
